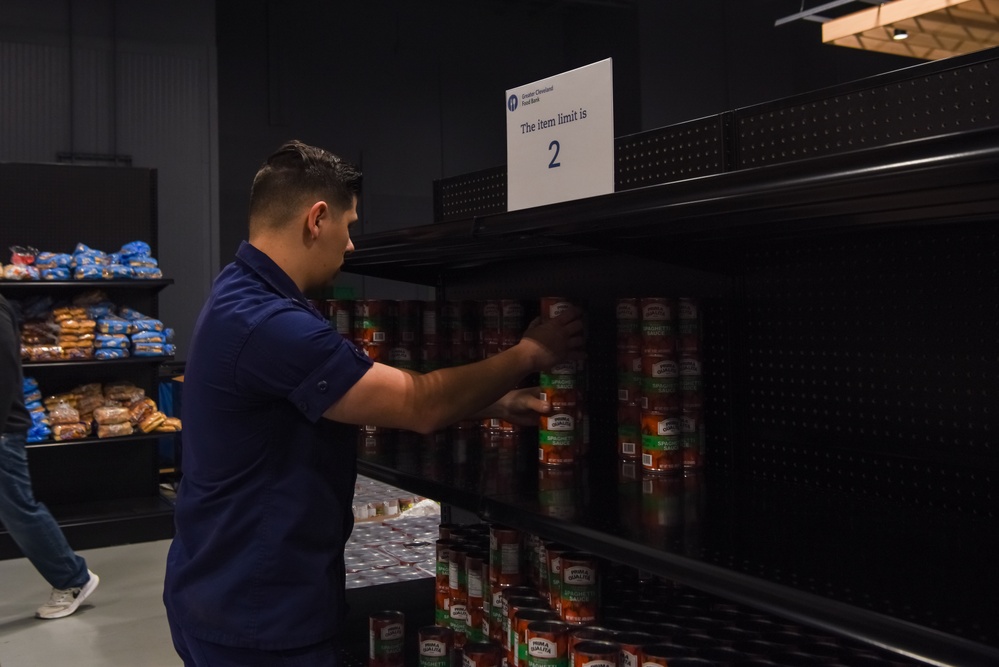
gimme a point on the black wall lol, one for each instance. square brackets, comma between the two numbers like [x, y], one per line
[414, 91]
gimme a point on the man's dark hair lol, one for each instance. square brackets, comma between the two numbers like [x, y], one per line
[297, 172]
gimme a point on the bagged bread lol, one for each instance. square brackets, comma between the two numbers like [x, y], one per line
[107, 414]
[114, 430]
[74, 431]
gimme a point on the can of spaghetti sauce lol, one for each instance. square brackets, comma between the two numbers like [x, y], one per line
[436, 646]
[553, 306]
[548, 644]
[661, 450]
[595, 654]
[482, 654]
[580, 587]
[386, 631]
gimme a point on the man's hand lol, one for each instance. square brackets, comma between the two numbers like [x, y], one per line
[519, 406]
[555, 340]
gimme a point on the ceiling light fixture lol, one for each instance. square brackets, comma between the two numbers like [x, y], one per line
[924, 29]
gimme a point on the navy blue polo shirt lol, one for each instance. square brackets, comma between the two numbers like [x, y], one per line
[264, 506]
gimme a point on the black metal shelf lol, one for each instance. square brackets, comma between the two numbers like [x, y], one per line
[844, 249]
[925, 181]
[120, 284]
[782, 548]
[90, 363]
[137, 437]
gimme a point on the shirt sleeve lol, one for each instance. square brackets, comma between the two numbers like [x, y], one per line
[295, 355]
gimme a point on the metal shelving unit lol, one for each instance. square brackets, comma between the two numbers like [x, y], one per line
[848, 274]
[102, 491]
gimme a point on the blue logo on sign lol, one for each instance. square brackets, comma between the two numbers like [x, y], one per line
[511, 103]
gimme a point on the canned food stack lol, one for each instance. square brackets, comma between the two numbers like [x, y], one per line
[374, 325]
[340, 314]
[436, 647]
[462, 558]
[463, 327]
[561, 431]
[387, 632]
[629, 378]
[691, 383]
[404, 350]
[431, 356]
[637, 619]
[660, 400]
[502, 323]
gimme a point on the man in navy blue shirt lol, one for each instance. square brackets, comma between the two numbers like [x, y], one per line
[255, 574]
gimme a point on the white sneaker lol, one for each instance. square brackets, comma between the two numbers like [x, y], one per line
[65, 602]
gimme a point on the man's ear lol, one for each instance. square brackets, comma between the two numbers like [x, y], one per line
[318, 213]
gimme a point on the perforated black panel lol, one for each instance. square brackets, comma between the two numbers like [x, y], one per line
[955, 100]
[695, 148]
[870, 365]
[466, 196]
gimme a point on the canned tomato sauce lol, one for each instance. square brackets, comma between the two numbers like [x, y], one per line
[436, 646]
[660, 383]
[630, 646]
[386, 631]
[580, 586]
[377, 320]
[560, 386]
[512, 605]
[504, 556]
[340, 313]
[482, 654]
[474, 564]
[629, 431]
[522, 619]
[443, 583]
[553, 306]
[629, 324]
[691, 381]
[658, 325]
[661, 442]
[548, 644]
[430, 318]
[458, 592]
[692, 437]
[589, 633]
[629, 375]
[511, 319]
[595, 654]
[557, 439]
[553, 556]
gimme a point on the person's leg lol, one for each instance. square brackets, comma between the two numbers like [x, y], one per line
[30, 523]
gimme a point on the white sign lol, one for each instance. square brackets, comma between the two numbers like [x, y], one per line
[560, 137]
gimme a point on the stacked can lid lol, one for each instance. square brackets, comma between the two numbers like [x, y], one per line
[660, 388]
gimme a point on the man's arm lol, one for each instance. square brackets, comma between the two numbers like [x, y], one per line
[390, 397]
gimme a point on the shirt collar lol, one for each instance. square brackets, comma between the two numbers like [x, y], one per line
[265, 267]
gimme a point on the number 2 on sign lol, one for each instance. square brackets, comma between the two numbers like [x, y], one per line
[554, 163]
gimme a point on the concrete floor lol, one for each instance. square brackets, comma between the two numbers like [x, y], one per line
[122, 623]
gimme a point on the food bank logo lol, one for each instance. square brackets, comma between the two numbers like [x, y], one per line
[511, 103]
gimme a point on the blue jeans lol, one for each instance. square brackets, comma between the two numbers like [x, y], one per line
[31, 524]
